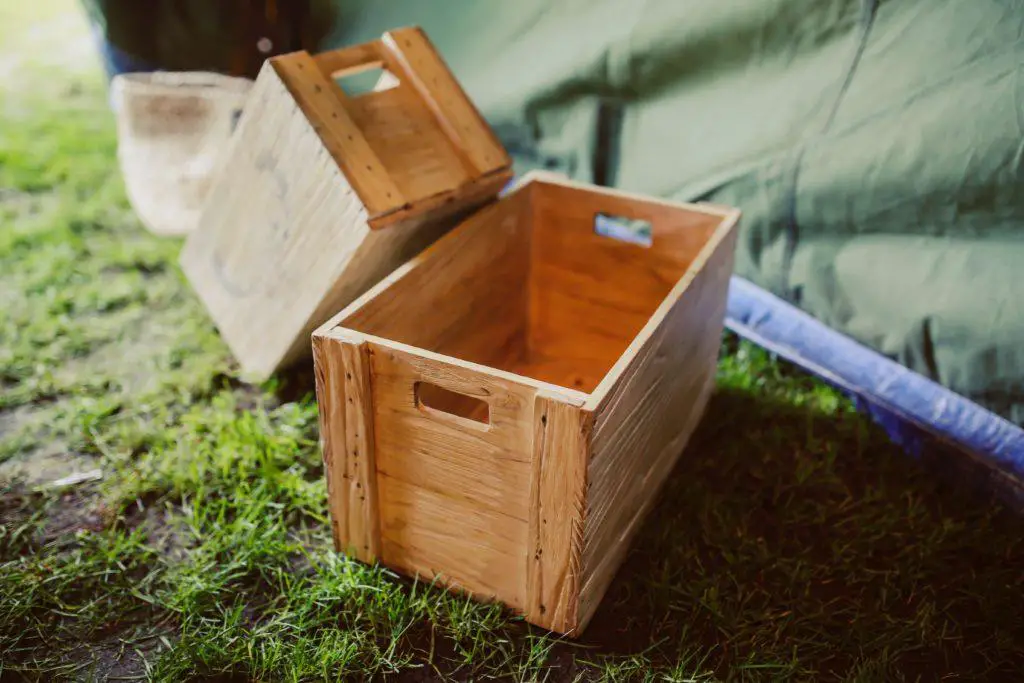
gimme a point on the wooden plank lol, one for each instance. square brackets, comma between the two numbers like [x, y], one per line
[419, 64]
[454, 493]
[647, 408]
[461, 202]
[470, 548]
[418, 155]
[557, 501]
[322, 101]
[342, 371]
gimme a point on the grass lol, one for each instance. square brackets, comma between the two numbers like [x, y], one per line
[793, 542]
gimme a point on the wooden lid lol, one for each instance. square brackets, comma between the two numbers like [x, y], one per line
[415, 143]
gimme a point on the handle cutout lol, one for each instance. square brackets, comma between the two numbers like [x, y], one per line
[631, 230]
[431, 398]
[365, 78]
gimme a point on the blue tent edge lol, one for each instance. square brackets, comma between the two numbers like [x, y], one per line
[917, 413]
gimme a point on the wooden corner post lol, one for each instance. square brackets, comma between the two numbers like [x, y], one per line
[558, 496]
[345, 401]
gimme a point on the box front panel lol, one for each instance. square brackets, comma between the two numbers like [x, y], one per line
[454, 454]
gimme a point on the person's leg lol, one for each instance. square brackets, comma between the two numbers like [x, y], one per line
[115, 60]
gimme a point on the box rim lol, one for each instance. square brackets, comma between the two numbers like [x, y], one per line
[565, 394]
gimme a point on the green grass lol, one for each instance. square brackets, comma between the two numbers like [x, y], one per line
[792, 542]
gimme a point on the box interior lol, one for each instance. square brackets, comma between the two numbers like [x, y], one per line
[552, 282]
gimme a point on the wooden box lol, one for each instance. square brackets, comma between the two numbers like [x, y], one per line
[321, 193]
[500, 411]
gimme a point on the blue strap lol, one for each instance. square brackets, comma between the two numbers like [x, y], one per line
[911, 408]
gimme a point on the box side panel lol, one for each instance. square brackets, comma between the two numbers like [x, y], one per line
[466, 297]
[454, 488]
[279, 226]
[645, 420]
[592, 293]
[342, 371]
[557, 501]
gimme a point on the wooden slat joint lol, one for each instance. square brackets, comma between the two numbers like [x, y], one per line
[344, 398]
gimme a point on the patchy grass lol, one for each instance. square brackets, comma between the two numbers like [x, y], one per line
[792, 542]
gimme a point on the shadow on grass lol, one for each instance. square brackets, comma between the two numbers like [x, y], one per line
[800, 543]
[295, 382]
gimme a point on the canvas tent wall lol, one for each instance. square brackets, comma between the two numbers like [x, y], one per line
[875, 147]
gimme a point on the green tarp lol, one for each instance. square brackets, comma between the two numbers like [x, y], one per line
[874, 147]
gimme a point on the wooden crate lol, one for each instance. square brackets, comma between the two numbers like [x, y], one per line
[501, 411]
[321, 194]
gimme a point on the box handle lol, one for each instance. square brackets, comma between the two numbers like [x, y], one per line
[629, 230]
[452, 406]
[338, 65]
[349, 60]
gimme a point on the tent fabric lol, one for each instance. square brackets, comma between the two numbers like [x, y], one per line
[874, 146]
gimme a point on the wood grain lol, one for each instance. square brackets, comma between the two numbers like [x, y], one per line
[344, 398]
[418, 156]
[557, 499]
[487, 466]
[473, 549]
[258, 273]
[418, 139]
[446, 478]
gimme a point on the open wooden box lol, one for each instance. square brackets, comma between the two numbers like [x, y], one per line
[501, 411]
[321, 193]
